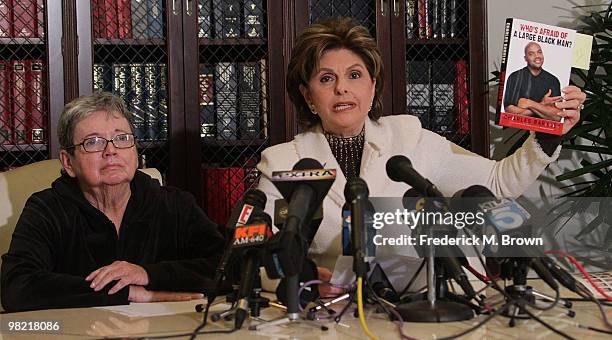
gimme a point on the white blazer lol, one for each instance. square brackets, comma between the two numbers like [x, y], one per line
[447, 165]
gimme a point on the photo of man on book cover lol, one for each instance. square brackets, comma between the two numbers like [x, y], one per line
[538, 61]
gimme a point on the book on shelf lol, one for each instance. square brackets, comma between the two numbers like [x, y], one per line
[204, 18]
[18, 105]
[434, 13]
[227, 19]
[108, 19]
[139, 19]
[124, 18]
[264, 98]
[40, 18]
[162, 92]
[155, 19]
[253, 19]
[35, 112]
[462, 97]
[443, 95]
[136, 100]
[452, 4]
[444, 19]
[6, 21]
[222, 188]
[24, 19]
[151, 107]
[206, 92]
[249, 91]
[6, 136]
[411, 19]
[418, 92]
[424, 19]
[102, 77]
[536, 63]
[226, 85]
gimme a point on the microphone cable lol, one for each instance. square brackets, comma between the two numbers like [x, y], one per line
[362, 320]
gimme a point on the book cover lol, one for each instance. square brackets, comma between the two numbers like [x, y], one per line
[124, 18]
[453, 17]
[97, 19]
[424, 20]
[227, 19]
[139, 19]
[6, 20]
[264, 98]
[155, 19]
[137, 103]
[151, 100]
[435, 17]
[249, 101]
[204, 18]
[207, 101]
[6, 136]
[222, 188]
[162, 92]
[40, 18]
[462, 97]
[418, 91]
[226, 86]
[411, 19]
[110, 25]
[102, 77]
[536, 64]
[18, 105]
[444, 19]
[35, 112]
[253, 19]
[443, 92]
[122, 87]
[24, 19]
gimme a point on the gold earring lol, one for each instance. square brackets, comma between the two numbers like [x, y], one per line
[313, 109]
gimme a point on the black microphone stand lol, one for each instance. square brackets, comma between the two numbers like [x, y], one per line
[437, 304]
[519, 295]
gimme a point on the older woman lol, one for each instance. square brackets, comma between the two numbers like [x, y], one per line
[335, 79]
[105, 233]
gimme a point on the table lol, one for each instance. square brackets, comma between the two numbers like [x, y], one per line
[79, 323]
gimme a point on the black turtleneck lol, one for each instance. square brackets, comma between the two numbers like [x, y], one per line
[60, 238]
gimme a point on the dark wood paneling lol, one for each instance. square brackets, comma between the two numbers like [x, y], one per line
[479, 106]
[396, 69]
[177, 171]
[70, 50]
[383, 37]
[281, 117]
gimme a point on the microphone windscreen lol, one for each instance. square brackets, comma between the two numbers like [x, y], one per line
[255, 197]
[355, 187]
[395, 165]
[307, 164]
[261, 216]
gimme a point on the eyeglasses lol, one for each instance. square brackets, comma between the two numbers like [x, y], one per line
[97, 144]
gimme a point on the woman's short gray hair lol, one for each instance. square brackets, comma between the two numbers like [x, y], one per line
[83, 107]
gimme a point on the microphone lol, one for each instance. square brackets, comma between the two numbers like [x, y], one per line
[507, 217]
[356, 194]
[281, 207]
[252, 200]
[399, 169]
[304, 188]
[251, 239]
[370, 231]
